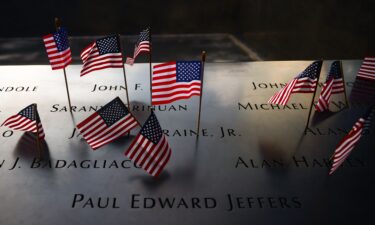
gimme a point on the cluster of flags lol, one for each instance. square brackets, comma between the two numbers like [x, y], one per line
[170, 82]
[306, 82]
[149, 150]
[174, 81]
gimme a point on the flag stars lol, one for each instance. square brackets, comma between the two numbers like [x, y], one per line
[152, 129]
[144, 36]
[108, 45]
[28, 112]
[113, 112]
[311, 71]
[61, 39]
[188, 71]
[335, 71]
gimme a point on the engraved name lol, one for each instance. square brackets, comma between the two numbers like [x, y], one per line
[296, 162]
[19, 89]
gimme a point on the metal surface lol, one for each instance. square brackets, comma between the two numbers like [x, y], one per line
[273, 173]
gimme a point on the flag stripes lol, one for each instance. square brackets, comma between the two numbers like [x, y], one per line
[367, 70]
[150, 149]
[149, 156]
[334, 85]
[345, 147]
[26, 120]
[97, 134]
[347, 144]
[107, 124]
[142, 45]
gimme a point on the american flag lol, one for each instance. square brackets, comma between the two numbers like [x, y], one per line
[150, 149]
[364, 86]
[26, 120]
[103, 53]
[58, 50]
[333, 85]
[172, 81]
[142, 45]
[347, 144]
[305, 82]
[110, 122]
[367, 70]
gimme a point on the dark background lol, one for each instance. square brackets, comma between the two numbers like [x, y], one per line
[274, 29]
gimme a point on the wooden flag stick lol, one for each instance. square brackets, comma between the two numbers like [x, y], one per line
[67, 91]
[57, 26]
[312, 100]
[126, 85]
[39, 149]
[124, 72]
[343, 80]
[200, 99]
[150, 61]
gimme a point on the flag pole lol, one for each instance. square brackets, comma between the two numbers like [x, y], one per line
[150, 61]
[57, 26]
[37, 133]
[312, 100]
[124, 72]
[343, 79]
[203, 55]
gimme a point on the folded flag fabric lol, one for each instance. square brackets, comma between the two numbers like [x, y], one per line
[348, 143]
[101, 54]
[26, 120]
[107, 124]
[58, 50]
[334, 85]
[173, 81]
[142, 45]
[305, 82]
[150, 149]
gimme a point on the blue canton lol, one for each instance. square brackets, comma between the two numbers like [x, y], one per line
[335, 71]
[152, 129]
[144, 36]
[187, 71]
[61, 39]
[28, 112]
[113, 111]
[312, 71]
[109, 44]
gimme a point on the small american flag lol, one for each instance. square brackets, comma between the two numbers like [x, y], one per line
[175, 80]
[58, 50]
[364, 86]
[305, 82]
[347, 144]
[110, 122]
[367, 70]
[333, 85]
[150, 149]
[142, 45]
[26, 120]
[103, 53]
